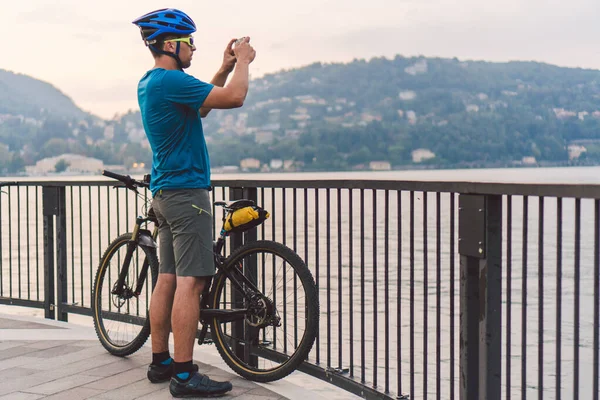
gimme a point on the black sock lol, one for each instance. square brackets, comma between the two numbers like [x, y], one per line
[183, 370]
[159, 358]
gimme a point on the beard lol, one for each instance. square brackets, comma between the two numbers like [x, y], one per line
[186, 64]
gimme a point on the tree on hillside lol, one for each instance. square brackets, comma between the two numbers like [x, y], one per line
[53, 147]
[54, 128]
[61, 165]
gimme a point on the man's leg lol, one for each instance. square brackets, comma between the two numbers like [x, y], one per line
[161, 304]
[194, 259]
[184, 319]
[186, 310]
[161, 368]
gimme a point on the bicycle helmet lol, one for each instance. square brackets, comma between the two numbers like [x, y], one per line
[164, 22]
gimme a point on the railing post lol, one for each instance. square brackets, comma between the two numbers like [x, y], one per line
[251, 268]
[54, 204]
[49, 210]
[61, 255]
[480, 249]
[1, 244]
[237, 240]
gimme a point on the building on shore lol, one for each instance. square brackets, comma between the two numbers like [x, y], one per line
[74, 163]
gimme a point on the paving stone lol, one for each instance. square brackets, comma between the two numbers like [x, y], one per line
[21, 396]
[19, 384]
[241, 382]
[82, 366]
[62, 384]
[10, 344]
[238, 391]
[249, 396]
[139, 389]
[260, 391]
[6, 323]
[143, 356]
[79, 393]
[220, 375]
[119, 380]
[52, 352]
[94, 363]
[13, 352]
[87, 343]
[114, 368]
[77, 354]
[12, 373]
[17, 362]
[44, 344]
[160, 394]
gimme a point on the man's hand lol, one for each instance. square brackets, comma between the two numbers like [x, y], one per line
[241, 54]
[229, 59]
[244, 52]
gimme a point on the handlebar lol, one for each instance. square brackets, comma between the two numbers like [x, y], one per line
[129, 182]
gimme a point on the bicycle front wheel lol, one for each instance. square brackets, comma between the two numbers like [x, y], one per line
[121, 320]
[281, 322]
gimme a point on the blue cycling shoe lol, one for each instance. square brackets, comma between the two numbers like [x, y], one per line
[198, 385]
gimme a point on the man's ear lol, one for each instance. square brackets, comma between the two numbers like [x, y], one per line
[169, 46]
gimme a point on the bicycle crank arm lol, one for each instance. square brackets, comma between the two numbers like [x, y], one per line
[202, 336]
[223, 315]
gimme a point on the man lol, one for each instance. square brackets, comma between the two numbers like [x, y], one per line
[172, 103]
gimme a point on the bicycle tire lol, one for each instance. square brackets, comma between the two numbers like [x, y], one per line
[301, 352]
[133, 345]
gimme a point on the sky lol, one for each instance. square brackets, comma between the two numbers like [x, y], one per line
[92, 52]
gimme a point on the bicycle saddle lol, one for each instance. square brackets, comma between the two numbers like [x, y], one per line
[235, 205]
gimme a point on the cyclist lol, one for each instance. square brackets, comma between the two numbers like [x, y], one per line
[172, 103]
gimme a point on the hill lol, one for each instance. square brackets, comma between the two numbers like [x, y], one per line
[404, 112]
[466, 113]
[23, 95]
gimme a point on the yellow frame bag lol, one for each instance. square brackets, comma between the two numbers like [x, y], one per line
[244, 215]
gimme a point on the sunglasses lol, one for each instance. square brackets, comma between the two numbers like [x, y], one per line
[188, 40]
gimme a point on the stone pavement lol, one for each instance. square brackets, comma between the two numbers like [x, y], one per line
[82, 369]
[43, 359]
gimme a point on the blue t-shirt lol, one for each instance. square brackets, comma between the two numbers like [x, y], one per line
[170, 102]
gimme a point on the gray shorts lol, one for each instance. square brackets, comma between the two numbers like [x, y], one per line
[185, 232]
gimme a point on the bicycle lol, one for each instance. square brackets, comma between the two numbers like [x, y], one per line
[236, 303]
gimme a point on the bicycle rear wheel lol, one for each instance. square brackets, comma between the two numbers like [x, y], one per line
[280, 326]
[122, 322]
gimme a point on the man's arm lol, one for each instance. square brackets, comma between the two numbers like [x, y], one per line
[218, 80]
[220, 77]
[234, 93]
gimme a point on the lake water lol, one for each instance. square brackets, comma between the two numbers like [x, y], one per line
[332, 249]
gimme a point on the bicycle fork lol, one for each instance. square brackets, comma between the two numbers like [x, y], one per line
[120, 288]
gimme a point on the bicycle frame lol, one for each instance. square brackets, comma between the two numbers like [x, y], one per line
[246, 286]
[207, 313]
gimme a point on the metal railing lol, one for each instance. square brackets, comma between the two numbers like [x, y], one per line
[439, 290]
